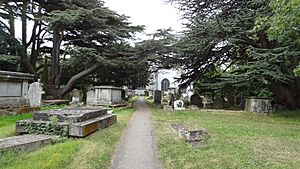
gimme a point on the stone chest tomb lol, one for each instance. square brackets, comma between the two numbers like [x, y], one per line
[77, 122]
[14, 89]
[104, 95]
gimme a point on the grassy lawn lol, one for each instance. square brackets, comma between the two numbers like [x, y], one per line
[94, 151]
[8, 124]
[238, 140]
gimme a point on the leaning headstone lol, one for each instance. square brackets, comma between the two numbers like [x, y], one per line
[219, 102]
[179, 105]
[196, 100]
[157, 97]
[35, 94]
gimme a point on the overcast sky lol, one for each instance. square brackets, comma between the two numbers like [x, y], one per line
[154, 14]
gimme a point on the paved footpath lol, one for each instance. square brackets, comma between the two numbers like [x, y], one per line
[137, 149]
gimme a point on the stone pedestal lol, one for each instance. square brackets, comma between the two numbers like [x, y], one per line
[259, 104]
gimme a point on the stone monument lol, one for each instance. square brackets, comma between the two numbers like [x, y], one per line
[14, 91]
[179, 105]
[259, 104]
[104, 95]
[35, 92]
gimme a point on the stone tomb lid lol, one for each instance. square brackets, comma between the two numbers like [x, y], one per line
[15, 75]
[69, 115]
[107, 87]
[256, 97]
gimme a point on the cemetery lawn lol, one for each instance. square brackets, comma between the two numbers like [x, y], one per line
[238, 140]
[8, 124]
[93, 151]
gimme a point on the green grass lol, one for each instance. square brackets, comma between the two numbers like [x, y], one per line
[94, 151]
[238, 140]
[8, 124]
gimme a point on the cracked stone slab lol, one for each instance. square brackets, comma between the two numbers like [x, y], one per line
[27, 142]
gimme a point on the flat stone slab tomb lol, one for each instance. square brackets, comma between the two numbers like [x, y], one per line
[25, 142]
[78, 122]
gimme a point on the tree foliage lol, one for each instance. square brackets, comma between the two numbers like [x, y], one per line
[228, 47]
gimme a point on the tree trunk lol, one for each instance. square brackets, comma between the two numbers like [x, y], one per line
[55, 69]
[287, 95]
[25, 63]
[72, 81]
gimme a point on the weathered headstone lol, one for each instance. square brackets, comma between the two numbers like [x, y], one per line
[35, 94]
[75, 97]
[157, 97]
[219, 102]
[90, 97]
[196, 100]
[231, 101]
[179, 105]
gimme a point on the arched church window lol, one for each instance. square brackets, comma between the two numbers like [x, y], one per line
[165, 84]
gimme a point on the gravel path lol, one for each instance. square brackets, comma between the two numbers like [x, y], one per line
[137, 149]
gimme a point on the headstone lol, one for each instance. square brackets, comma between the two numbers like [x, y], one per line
[196, 100]
[90, 97]
[231, 101]
[219, 102]
[75, 97]
[179, 105]
[35, 94]
[259, 104]
[157, 97]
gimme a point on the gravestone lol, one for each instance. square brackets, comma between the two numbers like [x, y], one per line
[157, 97]
[196, 100]
[75, 96]
[90, 97]
[259, 105]
[179, 105]
[219, 102]
[231, 101]
[35, 94]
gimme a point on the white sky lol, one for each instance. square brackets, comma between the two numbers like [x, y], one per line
[154, 14]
